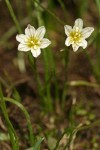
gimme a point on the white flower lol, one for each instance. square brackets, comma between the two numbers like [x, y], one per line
[77, 35]
[32, 40]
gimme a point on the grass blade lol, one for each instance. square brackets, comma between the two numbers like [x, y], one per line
[26, 115]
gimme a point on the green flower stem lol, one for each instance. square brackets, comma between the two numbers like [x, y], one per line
[38, 81]
[48, 100]
[21, 62]
[12, 134]
[37, 78]
[27, 118]
[36, 75]
[50, 69]
[65, 61]
[53, 73]
[50, 73]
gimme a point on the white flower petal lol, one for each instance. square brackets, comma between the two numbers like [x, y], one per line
[21, 38]
[75, 47]
[40, 32]
[68, 29]
[68, 42]
[86, 32]
[30, 30]
[35, 52]
[78, 23]
[83, 44]
[23, 47]
[45, 43]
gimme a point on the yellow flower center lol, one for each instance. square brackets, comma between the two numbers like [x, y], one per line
[33, 42]
[75, 36]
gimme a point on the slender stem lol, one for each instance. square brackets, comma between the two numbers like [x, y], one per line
[36, 75]
[53, 73]
[66, 60]
[38, 12]
[50, 12]
[21, 62]
[48, 100]
[26, 115]
[13, 16]
[13, 137]
[39, 84]
[48, 58]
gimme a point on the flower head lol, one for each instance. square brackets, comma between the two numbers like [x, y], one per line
[33, 40]
[77, 35]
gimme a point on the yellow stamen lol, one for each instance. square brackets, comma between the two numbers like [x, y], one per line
[33, 42]
[75, 36]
